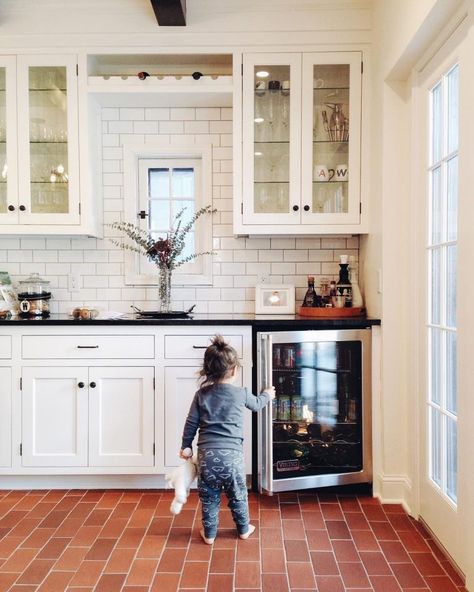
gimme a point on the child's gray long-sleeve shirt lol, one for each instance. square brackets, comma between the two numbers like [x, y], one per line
[219, 414]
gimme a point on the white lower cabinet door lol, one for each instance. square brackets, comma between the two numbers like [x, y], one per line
[5, 417]
[54, 417]
[180, 386]
[121, 411]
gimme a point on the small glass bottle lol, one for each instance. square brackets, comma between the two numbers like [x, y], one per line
[310, 296]
[343, 286]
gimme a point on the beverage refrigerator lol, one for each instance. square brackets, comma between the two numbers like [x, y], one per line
[317, 430]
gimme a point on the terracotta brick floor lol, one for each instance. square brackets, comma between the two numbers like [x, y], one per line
[112, 541]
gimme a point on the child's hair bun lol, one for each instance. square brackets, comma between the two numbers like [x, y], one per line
[219, 343]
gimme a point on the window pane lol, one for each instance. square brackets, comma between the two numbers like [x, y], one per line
[435, 445]
[436, 123]
[451, 282]
[436, 207]
[159, 215]
[452, 188]
[158, 182]
[183, 183]
[435, 288]
[188, 213]
[452, 459]
[435, 359]
[451, 375]
[453, 109]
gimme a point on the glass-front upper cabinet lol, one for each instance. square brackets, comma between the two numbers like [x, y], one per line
[301, 143]
[331, 137]
[8, 177]
[48, 140]
[271, 138]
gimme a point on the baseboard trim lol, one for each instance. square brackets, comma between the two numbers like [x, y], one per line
[394, 489]
[83, 482]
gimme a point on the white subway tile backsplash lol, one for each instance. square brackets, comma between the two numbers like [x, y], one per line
[208, 113]
[158, 113]
[171, 127]
[183, 114]
[239, 264]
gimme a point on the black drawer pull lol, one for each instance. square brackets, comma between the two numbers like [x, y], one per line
[92, 385]
[87, 347]
[80, 384]
[199, 346]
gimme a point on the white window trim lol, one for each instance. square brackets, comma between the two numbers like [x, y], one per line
[132, 153]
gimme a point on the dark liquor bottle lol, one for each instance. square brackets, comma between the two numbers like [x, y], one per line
[310, 298]
[343, 286]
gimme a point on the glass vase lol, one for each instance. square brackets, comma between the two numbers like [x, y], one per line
[164, 289]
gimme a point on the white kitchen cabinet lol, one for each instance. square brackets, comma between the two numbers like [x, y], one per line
[121, 422]
[5, 417]
[87, 416]
[54, 416]
[181, 383]
[39, 148]
[301, 144]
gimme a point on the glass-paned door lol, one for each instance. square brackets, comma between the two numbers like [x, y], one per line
[8, 142]
[331, 141]
[319, 427]
[441, 399]
[271, 138]
[48, 140]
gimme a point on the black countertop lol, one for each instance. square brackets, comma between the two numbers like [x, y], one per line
[267, 321]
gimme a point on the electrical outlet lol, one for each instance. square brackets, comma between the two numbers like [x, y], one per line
[263, 278]
[73, 282]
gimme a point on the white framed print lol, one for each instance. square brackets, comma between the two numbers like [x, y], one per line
[274, 299]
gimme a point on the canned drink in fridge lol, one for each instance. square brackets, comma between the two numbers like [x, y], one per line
[289, 357]
[296, 408]
[284, 408]
[277, 356]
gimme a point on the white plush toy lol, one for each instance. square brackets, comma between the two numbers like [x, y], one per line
[181, 479]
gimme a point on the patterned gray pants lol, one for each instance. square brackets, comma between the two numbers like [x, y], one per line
[222, 469]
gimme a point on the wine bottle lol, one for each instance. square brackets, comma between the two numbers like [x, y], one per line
[310, 296]
[343, 286]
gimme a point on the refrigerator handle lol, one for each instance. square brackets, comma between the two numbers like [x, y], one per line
[266, 452]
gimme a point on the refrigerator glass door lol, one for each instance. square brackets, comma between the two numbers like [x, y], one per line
[317, 431]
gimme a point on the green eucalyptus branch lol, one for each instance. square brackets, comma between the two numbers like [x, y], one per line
[164, 252]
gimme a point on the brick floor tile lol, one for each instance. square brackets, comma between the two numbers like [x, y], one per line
[271, 538]
[222, 561]
[270, 519]
[407, 575]
[331, 512]
[220, 583]
[375, 563]
[313, 520]
[296, 551]
[427, 564]
[88, 573]
[353, 575]
[385, 584]
[71, 558]
[110, 583]
[413, 541]
[151, 547]
[330, 584]
[293, 529]
[247, 574]
[248, 550]
[356, 521]
[141, 572]
[275, 583]
[440, 584]
[324, 563]
[301, 575]
[318, 540]
[194, 574]
[56, 581]
[101, 549]
[337, 529]
[345, 551]
[273, 561]
[290, 511]
[19, 560]
[384, 531]
[54, 548]
[365, 540]
[165, 582]
[120, 561]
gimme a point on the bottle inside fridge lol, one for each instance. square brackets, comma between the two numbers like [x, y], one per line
[317, 413]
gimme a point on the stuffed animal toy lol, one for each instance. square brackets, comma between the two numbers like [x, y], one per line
[181, 479]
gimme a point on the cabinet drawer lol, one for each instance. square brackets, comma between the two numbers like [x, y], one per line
[88, 346]
[5, 347]
[193, 346]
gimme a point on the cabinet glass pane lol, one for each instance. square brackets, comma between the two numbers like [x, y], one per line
[271, 139]
[330, 138]
[48, 140]
[435, 445]
[3, 145]
[317, 412]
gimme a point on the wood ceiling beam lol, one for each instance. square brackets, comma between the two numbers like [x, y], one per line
[170, 13]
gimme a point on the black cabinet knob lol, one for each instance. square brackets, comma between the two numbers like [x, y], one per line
[296, 208]
[22, 208]
[11, 208]
[92, 385]
[306, 208]
[80, 384]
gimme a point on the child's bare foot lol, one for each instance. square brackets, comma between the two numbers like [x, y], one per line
[206, 540]
[250, 531]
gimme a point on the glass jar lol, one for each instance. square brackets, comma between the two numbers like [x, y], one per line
[34, 296]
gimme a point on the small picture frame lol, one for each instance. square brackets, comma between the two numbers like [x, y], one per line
[274, 299]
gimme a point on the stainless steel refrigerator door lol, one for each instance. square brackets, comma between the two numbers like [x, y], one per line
[265, 341]
[265, 440]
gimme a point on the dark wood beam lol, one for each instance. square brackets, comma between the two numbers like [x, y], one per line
[170, 13]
